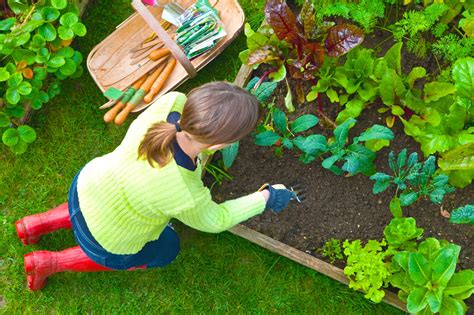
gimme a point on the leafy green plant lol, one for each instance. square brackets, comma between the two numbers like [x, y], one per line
[364, 12]
[350, 84]
[413, 181]
[415, 23]
[302, 42]
[463, 215]
[458, 164]
[217, 173]
[356, 157]
[449, 112]
[34, 60]
[427, 279]
[452, 47]
[332, 250]
[367, 267]
[402, 233]
[282, 133]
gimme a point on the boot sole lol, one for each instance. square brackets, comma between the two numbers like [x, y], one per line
[34, 284]
[22, 234]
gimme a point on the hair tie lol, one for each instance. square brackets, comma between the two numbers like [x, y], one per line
[178, 127]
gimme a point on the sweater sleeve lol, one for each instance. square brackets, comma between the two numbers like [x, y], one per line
[208, 216]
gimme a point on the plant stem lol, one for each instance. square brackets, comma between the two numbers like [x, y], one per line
[263, 77]
[327, 119]
[320, 103]
[28, 16]
[384, 41]
[437, 62]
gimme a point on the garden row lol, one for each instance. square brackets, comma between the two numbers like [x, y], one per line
[408, 68]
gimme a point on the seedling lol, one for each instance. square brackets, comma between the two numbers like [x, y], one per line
[332, 249]
[281, 133]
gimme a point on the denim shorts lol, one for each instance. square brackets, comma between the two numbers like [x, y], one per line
[157, 253]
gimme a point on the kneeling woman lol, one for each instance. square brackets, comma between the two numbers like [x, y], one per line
[119, 204]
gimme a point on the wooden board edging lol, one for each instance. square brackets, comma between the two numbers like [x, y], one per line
[287, 251]
[305, 259]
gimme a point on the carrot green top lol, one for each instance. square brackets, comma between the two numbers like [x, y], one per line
[127, 203]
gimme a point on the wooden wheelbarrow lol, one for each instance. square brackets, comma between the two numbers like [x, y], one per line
[113, 62]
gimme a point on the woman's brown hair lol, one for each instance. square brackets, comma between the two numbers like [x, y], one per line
[214, 113]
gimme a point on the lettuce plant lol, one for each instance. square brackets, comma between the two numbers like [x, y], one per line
[402, 233]
[427, 279]
[367, 267]
[447, 112]
[413, 180]
[458, 164]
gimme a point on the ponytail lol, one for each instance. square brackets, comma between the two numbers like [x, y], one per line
[214, 113]
[157, 145]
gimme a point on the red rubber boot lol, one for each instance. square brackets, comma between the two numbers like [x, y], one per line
[39, 265]
[30, 228]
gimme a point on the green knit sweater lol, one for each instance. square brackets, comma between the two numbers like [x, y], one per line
[127, 203]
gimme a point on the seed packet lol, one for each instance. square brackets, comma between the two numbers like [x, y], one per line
[200, 29]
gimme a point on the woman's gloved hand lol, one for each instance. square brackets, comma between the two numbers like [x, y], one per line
[279, 197]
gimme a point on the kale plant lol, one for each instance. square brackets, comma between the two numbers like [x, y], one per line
[463, 215]
[413, 181]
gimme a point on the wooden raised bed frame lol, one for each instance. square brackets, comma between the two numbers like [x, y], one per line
[292, 253]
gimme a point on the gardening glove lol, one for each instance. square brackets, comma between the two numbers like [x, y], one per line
[279, 197]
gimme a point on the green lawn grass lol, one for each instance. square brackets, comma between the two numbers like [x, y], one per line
[213, 273]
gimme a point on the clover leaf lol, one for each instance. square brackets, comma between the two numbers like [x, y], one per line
[70, 26]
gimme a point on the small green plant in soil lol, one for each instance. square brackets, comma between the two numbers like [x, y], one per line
[351, 84]
[414, 24]
[332, 250]
[219, 174]
[413, 181]
[427, 279]
[282, 133]
[34, 45]
[462, 215]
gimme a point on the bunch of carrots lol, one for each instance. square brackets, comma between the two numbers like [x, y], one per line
[144, 89]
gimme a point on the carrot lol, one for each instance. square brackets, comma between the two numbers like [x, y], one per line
[160, 81]
[158, 53]
[139, 94]
[110, 115]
